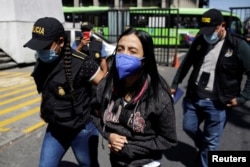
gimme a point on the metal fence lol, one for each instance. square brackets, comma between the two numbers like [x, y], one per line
[157, 22]
[244, 14]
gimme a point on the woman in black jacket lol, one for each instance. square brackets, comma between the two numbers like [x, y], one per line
[134, 110]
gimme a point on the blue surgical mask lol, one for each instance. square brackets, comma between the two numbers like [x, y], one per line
[47, 56]
[127, 65]
[211, 39]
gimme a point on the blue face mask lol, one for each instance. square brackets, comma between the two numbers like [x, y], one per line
[47, 56]
[211, 39]
[127, 65]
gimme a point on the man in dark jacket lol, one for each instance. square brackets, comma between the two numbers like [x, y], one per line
[219, 60]
[91, 46]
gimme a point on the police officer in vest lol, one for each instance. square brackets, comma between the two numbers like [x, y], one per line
[91, 46]
[218, 59]
[64, 78]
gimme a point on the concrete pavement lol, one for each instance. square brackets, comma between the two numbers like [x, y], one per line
[24, 150]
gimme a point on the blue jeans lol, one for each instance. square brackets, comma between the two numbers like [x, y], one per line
[57, 141]
[213, 114]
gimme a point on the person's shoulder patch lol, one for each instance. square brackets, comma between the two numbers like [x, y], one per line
[97, 55]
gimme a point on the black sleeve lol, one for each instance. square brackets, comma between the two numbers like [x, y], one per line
[95, 48]
[89, 68]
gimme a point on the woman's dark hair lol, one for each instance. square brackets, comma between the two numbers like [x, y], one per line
[149, 65]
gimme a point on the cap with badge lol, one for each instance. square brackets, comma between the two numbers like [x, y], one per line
[86, 26]
[210, 20]
[44, 32]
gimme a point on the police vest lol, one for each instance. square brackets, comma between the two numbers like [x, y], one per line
[58, 107]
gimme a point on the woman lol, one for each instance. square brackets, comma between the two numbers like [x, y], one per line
[134, 109]
[64, 77]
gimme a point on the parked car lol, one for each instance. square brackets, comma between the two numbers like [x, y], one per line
[74, 34]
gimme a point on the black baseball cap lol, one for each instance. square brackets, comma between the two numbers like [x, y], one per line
[44, 32]
[210, 20]
[86, 26]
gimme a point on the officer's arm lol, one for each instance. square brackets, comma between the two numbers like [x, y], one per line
[243, 53]
[96, 78]
[104, 65]
[91, 71]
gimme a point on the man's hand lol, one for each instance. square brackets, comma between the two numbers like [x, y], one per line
[172, 91]
[83, 42]
[232, 103]
[116, 142]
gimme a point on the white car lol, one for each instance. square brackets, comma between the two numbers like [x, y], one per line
[74, 34]
[108, 46]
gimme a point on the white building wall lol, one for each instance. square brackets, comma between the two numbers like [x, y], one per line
[16, 21]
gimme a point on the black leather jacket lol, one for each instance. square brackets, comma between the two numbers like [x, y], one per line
[233, 62]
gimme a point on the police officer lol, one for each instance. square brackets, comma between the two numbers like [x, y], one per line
[63, 77]
[218, 59]
[91, 46]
